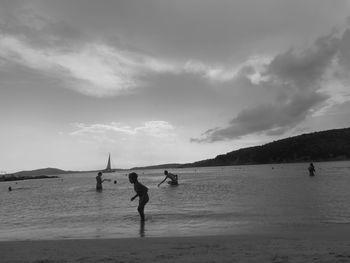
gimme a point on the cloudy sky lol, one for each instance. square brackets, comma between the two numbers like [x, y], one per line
[156, 81]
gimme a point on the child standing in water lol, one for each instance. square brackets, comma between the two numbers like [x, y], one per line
[311, 169]
[99, 181]
[141, 192]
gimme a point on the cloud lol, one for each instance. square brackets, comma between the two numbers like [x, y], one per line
[93, 69]
[76, 48]
[99, 70]
[84, 129]
[155, 129]
[223, 73]
[301, 83]
[271, 119]
[96, 69]
[303, 69]
[93, 64]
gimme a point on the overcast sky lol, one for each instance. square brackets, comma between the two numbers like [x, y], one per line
[156, 81]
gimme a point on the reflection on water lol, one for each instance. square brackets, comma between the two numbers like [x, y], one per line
[212, 200]
[142, 228]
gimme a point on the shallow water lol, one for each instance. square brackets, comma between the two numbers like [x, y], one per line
[208, 201]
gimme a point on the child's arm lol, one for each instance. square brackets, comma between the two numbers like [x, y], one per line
[162, 181]
[133, 198]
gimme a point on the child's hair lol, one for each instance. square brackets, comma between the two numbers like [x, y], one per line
[99, 173]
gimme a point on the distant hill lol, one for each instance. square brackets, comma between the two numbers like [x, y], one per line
[43, 171]
[328, 145]
[318, 146]
[160, 166]
[33, 174]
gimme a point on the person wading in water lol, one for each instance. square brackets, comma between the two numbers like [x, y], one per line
[141, 192]
[172, 177]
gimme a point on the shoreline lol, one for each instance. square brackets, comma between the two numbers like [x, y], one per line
[23, 178]
[326, 246]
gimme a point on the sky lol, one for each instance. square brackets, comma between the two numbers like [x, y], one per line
[157, 81]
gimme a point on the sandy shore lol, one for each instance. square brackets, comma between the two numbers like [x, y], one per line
[309, 247]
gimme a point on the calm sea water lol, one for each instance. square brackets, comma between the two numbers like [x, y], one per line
[217, 200]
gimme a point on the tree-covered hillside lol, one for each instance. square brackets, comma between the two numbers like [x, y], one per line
[318, 146]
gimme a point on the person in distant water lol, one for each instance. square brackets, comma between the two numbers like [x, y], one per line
[99, 181]
[141, 192]
[173, 178]
[311, 169]
[10, 188]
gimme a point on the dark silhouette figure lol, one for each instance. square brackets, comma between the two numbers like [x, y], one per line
[10, 188]
[173, 178]
[141, 192]
[99, 181]
[115, 181]
[311, 169]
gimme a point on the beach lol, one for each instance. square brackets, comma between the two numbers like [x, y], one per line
[332, 245]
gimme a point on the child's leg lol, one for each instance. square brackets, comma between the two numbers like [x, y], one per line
[142, 202]
[141, 209]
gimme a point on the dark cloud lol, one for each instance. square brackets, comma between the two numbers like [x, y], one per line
[271, 119]
[304, 69]
[298, 75]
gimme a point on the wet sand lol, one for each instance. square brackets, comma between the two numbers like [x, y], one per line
[327, 246]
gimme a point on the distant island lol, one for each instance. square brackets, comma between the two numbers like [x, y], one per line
[33, 174]
[330, 145]
[43, 173]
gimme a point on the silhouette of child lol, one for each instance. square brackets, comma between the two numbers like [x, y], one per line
[99, 181]
[172, 177]
[311, 169]
[141, 192]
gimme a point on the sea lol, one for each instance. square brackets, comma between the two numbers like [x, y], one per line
[208, 201]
